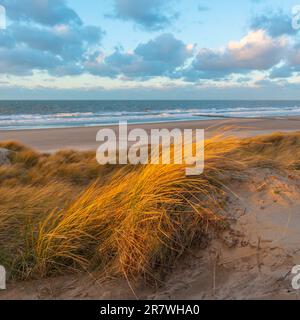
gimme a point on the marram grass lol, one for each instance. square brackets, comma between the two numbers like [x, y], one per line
[64, 213]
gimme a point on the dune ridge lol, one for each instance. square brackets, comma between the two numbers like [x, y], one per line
[63, 214]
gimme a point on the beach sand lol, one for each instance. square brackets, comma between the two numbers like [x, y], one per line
[50, 140]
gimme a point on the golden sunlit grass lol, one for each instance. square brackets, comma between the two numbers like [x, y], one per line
[63, 212]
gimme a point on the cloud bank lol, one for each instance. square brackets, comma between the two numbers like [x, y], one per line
[50, 37]
[150, 15]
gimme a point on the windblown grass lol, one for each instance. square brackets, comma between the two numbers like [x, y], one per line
[63, 212]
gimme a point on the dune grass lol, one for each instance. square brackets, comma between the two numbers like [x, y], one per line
[63, 212]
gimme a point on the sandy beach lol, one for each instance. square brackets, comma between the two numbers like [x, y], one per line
[84, 138]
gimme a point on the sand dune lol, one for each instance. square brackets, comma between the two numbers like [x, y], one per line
[251, 260]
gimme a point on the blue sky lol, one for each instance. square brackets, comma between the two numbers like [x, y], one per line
[141, 49]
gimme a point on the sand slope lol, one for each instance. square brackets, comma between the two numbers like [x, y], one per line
[251, 260]
[254, 259]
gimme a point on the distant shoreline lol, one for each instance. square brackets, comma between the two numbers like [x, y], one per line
[84, 138]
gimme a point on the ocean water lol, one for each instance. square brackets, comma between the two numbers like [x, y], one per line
[55, 114]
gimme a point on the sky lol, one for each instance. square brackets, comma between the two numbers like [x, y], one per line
[158, 49]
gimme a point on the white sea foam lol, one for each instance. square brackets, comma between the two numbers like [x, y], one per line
[69, 119]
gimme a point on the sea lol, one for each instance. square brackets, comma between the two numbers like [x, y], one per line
[17, 115]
